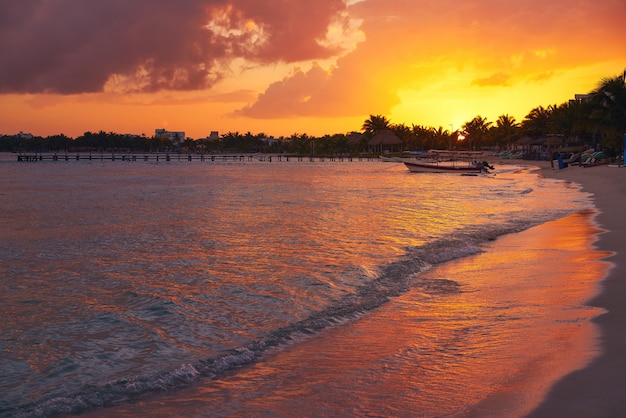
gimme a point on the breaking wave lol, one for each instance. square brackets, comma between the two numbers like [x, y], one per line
[392, 280]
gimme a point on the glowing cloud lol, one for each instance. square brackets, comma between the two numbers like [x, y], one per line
[272, 65]
[75, 46]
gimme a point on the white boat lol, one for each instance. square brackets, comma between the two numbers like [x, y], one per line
[390, 159]
[441, 167]
[448, 162]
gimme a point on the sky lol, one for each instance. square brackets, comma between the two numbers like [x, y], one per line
[284, 67]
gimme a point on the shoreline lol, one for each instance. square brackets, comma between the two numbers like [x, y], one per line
[597, 390]
[530, 384]
[590, 387]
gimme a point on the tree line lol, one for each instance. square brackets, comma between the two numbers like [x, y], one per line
[597, 119]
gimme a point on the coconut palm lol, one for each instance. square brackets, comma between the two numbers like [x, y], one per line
[506, 122]
[442, 138]
[571, 120]
[476, 132]
[420, 138]
[537, 122]
[608, 102]
[506, 130]
[375, 124]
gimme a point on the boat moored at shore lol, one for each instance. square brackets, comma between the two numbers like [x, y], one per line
[461, 162]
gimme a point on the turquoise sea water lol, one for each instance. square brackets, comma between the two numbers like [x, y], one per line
[123, 279]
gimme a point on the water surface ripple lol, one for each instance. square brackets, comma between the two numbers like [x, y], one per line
[122, 278]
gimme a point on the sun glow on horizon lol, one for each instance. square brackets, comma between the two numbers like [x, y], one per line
[324, 72]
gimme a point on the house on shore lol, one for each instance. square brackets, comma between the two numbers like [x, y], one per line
[385, 141]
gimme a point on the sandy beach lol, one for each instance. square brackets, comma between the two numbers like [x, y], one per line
[597, 390]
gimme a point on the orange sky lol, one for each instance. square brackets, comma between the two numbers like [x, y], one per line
[283, 67]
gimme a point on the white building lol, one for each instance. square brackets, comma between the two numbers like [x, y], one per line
[174, 137]
[24, 135]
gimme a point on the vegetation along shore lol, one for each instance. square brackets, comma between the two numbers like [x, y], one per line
[594, 120]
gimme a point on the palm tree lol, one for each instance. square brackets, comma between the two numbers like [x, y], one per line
[571, 120]
[417, 138]
[403, 132]
[506, 122]
[609, 110]
[476, 131]
[441, 138]
[506, 130]
[375, 124]
[537, 121]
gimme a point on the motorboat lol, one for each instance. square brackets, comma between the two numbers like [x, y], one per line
[462, 162]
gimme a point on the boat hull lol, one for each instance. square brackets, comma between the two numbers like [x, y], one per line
[417, 167]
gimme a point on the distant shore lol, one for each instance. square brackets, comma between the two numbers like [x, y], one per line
[598, 389]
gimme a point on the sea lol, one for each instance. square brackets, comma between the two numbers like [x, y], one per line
[286, 288]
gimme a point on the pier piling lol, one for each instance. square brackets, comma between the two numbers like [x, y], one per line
[25, 157]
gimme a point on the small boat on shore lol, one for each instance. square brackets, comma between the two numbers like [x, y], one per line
[448, 162]
[390, 159]
[440, 167]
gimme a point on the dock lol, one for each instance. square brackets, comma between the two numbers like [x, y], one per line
[158, 157]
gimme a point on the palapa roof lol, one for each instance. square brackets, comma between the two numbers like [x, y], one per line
[354, 137]
[385, 137]
[543, 140]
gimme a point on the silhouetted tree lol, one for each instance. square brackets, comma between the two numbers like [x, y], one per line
[375, 124]
[422, 138]
[476, 132]
[537, 121]
[442, 138]
[609, 111]
[505, 131]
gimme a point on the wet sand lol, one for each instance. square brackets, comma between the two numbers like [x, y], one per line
[599, 389]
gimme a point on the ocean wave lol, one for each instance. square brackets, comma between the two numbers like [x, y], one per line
[393, 280]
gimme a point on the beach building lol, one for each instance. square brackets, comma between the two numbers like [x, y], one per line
[24, 135]
[580, 98]
[175, 137]
[385, 141]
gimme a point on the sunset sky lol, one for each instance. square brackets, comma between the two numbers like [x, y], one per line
[295, 66]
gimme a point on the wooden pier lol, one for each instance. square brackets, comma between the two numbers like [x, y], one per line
[182, 157]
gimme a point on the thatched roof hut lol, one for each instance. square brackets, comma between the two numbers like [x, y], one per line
[385, 140]
[550, 140]
[354, 138]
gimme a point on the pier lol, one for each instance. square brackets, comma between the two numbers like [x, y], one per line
[158, 157]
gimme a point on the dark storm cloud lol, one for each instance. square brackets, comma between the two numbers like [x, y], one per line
[76, 46]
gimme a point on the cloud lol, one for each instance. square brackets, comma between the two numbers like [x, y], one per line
[77, 46]
[289, 97]
[277, 30]
[413, 45]
[442, 49]
[239, 96]
[342, 91]
[497, 79]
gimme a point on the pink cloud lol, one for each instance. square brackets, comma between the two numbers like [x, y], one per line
[76, 46]
[290, 96]
[291, 30]
[406, 41]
